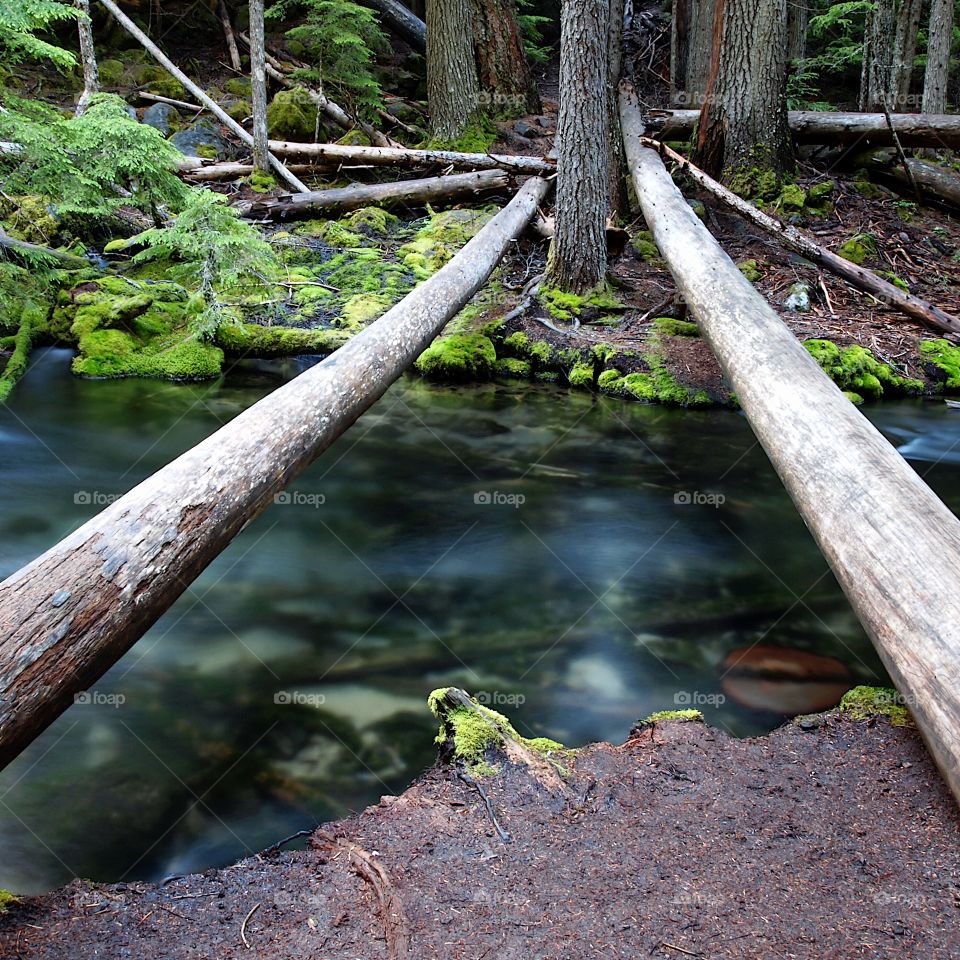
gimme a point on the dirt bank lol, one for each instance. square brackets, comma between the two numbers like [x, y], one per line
[832, 837]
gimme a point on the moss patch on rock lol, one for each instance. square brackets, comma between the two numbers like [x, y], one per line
[674, 716]
[857, 371]
[262, 341]
[670, 327]
[459, 357]
[858, 248]
[864, 703]
[943, 360]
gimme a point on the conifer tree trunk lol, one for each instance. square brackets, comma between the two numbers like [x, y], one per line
[258, 83]
[798, 22]
[453, 90]
[617, 199]
[88, 56]
[878, 76]
[691, 50]
[578, 255]
[743, 122]
[940, 40]
[506, 80]
[908, 27]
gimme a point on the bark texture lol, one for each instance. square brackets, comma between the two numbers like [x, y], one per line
[506, 81]
[860, 499]
[908, 28]
[743, 123]
[453, 90]
[798, 22]
[258, 83]
[617, 198]
[691, 50]
[73, 612]
[940, 40]
[88, 56]
[878, 76]
[578, 254]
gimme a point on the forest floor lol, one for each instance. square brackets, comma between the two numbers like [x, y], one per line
[834, 836]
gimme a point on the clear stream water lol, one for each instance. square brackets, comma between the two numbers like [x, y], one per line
[522, 542]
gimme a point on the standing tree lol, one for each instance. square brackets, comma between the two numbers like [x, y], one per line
[691, 48]
[88, 56]
[578, 254]
[798, 24]
[744, 131]
[258, 83]
[940, 40]
[617, 199]
[878, 76]
[453, 90]
[506, 80]
[908, 28]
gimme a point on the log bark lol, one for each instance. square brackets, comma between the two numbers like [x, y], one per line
[211, 105]
[934, 183]
[809, 126]
[196, 168]
[453, 88]
[908, 29]
[798, 24]
[878, 77]
[408, 157]
[73, 612]
[794, 239]
[402, 21]
[455, 187]
[88, 56]
[893, 545]
[691, 51]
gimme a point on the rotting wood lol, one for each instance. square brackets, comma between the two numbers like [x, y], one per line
[933, 182]
[860, 499]
[457, 186]
[794, 239]
[73, 612]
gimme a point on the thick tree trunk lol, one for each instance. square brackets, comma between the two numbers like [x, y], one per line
[88, 56]
[743, 123]
[878, 76]
[810, 126]
[72, 613]
[258, 83]
[860, 499]
[201, 96]
[409, 157]
[939, 42]
[792, 238]
[402, 21]
[578, 254]
[691, 51]
[507, 87]
[908, 28]
[457, 186]
[618, 202]
[798, 23]
[453, 91]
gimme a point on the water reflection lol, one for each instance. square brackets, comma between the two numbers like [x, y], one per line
[520, 542]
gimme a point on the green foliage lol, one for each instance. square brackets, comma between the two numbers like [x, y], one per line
[216, 252]
[21, 20]
[530, 32]
[341, 38]
[92, 164]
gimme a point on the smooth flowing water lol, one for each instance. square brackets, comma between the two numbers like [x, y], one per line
[576, 561]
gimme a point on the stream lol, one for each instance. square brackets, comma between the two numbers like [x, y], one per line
[575, 561]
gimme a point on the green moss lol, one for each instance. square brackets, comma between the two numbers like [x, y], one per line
[750, 270]
[864, 703]
[512, 367]
[677, 716]
[33, 220]
[645, 246]
[819, 197]
[676, 328]
[7, 899]
[261, 182]
[944, 357]
[582, 375]
[370, 220]
[111, 72]
[478, 137]
[853, 397]
[755, 183]
[518, 344]
[207, 152]
[355, 138]
[792, 199]
[565, 306]
[22, 343]
[239, 87]
[291, 115]
[865, 187]
[895, 280]
[239, 110]
[359, 310]
[458, 357]
[858, 248]
[444, 234]
[609, 381]
[331, 232]
[857, 371]
[157, 80]
[260, 341]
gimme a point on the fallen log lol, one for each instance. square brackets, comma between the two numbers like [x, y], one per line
[211, 105]
[893, 545]
[159, 98]
[792, 238]
[809, 126]
[228, 34]
[70, 260]
[410, 157]
[196, 169]
[934, 183]
[402, 21]
[454, 187]
[73, 612]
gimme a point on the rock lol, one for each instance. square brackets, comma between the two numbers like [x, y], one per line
[162, 117]
[525, 129]
[798, 298]
[292, 116]
[544, 122]
[203, 139]
[111, 73]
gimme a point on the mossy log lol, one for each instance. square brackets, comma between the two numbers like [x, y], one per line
[72, 613]
[794, 239]
[70, 260]
[811, 126]
[892, 544]
[409, 157]
[455, 187]
[934, 182]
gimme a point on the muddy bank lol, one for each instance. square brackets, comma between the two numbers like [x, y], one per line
[834, 836]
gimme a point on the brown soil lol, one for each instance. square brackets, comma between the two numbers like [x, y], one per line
[829, 838]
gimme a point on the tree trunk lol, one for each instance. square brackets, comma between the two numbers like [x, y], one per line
[934, 182]
[618, 202]
[940, 40]
[258, 83]
[453, 91]
[798, 22]
[402, 21]
[457, 186]
[860, 499]
[743, 123]
[578, 255]
[507, 87]
[810, 126]
[72, 613]
[691, 50]
[878, 76]
[228, 34]
[908, 28]
[88, 56]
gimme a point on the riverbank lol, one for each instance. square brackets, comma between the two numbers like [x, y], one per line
[833, 836]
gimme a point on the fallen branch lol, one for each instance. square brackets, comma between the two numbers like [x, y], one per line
[182, 104]
[196, 168]
[211, 105]
[859, 277]
[455, 187]
[36, 250]
[235, 61]
[933, 182]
